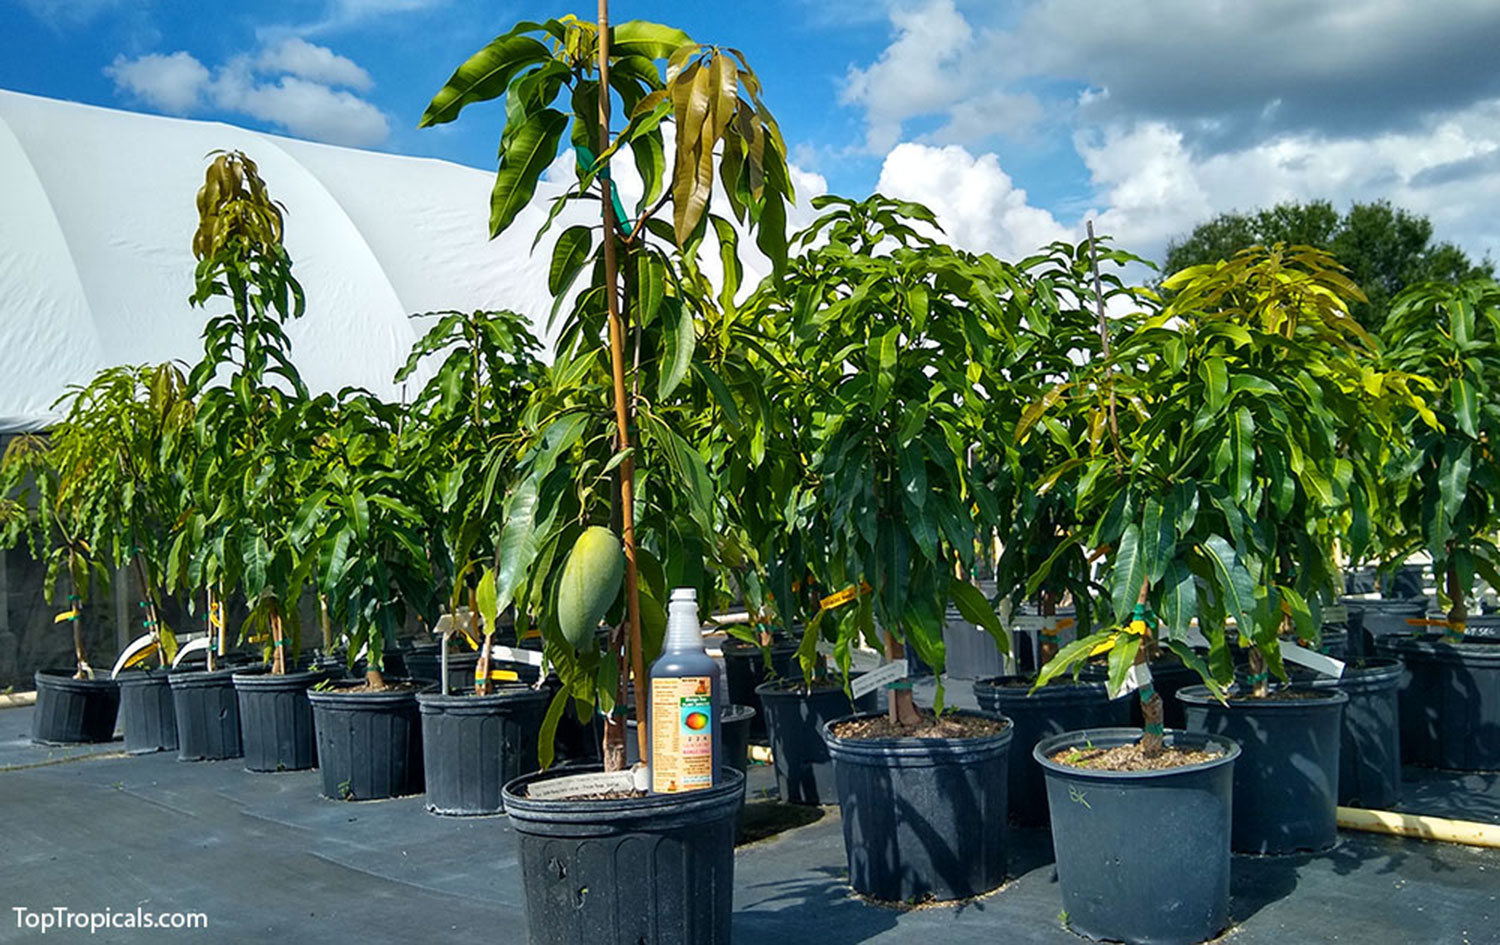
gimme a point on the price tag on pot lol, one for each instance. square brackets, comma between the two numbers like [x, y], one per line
[587, 785]
[880, 676]
[1138, 675]
[1302, 656]
[515, 655]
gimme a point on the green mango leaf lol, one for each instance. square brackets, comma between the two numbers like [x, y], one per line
[483, 76]
[526, 156]
[1236, 587]
[1465, 406]
[568, 258]
[677, 356]
[486, 599]
[974, 607]
[1129, 572]
[1121, 658]
[1179, 600]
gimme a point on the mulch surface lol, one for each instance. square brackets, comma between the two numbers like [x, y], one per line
[931, 726]
[1131, 758]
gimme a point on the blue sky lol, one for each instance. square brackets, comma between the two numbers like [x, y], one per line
[1017, 121]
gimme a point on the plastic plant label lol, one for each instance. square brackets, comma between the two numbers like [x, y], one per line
[1338, 614]
[512, 654]
[585, 785]
[499, 675]
[1031, 623]
[682, 734]
[1138, 675]
[1302, 656]
[882, 675]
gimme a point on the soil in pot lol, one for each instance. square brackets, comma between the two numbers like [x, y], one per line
[1370, 753]
[208, 715]
[369, 741]
[276, 723]
[473, 745]
[1450, 702]
[924, 809]
[651, 870]
[69, 711]
[795, 716]
[1142, 856]
[147, 712]
[1061, 706]
[1286, 781]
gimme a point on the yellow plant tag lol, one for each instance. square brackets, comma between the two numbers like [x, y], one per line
[843, 597]
[66, 616]
[1137, 627]
[503, 675]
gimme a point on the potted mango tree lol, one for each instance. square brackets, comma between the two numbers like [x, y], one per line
[464, 433]
[560, 561]
[1444, 494]
[1043, 555]
[363, 534]
[51, 507]
[1225, 420]
[898, 334]
[129, 433]
[251, 423]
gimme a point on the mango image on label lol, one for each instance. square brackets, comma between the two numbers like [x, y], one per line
[697, 721]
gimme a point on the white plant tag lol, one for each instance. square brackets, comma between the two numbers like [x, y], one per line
[1138, 675]
[514, 655]
[880, 676]
[583, 785]
[1339, 614]
[1302, 656]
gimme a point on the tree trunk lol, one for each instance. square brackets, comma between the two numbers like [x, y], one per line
[1152, 737]
[1047, 640]
[902, 709]
[1260, 674]
[1458, 610]
[278, 643]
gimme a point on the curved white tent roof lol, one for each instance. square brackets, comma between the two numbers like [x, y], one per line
[97, 218]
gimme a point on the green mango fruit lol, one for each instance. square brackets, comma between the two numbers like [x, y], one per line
[589, 584]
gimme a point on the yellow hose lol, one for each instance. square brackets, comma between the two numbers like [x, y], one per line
[14, 700]
[1422, 827]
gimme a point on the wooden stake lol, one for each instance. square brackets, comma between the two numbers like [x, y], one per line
[622, 421]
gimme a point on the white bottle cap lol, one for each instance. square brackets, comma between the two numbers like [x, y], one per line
[682, 620]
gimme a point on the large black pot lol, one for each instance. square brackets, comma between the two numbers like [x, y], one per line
[369, 743]
[276, 723]
[924, 818]
[146, 711]
[472, 745]
[1142, 856]
[72, 710]
[1286, 781]
[794, 722]
[425, 662]
[654, 870]
[1060, 706]
[1450, 702]
[1372, 620]
[208, 715]
[1370, 754]
[745, 669]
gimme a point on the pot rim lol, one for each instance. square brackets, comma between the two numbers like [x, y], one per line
[1321, 699]
[1048, 746]
[951, 749]
[519, 807]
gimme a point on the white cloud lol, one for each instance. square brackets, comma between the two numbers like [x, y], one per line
[316, 63]
[976, 202]
[290, 85]
[174, 84]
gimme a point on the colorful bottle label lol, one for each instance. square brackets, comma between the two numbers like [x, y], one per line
[682, 734]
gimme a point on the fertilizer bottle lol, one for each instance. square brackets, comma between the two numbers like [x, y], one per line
[685, 704]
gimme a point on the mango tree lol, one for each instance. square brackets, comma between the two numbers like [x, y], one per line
[1222, 455]
[462, 431]
[551, 75]
[1444, 490]
[894, 336]
[246, 481]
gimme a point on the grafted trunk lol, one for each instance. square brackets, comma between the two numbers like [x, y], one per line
[1458, 611]
[902, 709]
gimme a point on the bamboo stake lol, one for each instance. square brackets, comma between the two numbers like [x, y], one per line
[622, 415]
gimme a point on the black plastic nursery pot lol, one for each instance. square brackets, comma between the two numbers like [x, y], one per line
[1372, 620]
[1060, 706]
[745, 669]
[472, 745]
[146, 711]
[208, 715]
[71, 710]
[653, 870]
[924, 818]
[426, 663]
[369, 743]
[1286, 782]
[1142, 856]
[276, 723]
[795, 717]
[1450, 702]
[1370, 753]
